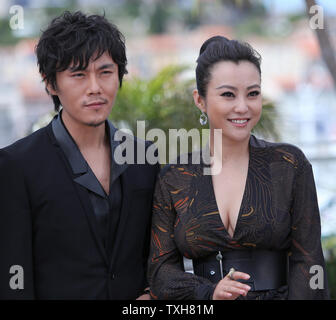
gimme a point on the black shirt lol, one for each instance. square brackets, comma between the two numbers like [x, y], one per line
[106, 207]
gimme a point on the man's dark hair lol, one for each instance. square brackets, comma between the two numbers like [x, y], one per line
[74, 39]
[218, 49]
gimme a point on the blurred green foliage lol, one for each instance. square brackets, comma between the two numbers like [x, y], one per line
[329, 245]
[331, 270]
[6, 35]
[165, 101]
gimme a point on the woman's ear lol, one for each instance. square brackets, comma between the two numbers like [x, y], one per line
[199, 101]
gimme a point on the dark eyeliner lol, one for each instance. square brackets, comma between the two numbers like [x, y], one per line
[228, 94]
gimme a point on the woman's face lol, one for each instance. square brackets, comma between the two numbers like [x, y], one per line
[233, 99]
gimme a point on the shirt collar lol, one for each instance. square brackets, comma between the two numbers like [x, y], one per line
[78, 163]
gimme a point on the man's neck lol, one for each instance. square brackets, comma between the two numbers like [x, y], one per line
[86, 137]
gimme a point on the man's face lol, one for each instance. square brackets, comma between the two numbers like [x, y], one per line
[87, 96]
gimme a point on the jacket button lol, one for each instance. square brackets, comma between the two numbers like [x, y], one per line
[212, 272]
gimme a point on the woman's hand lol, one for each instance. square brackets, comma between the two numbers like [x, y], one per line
[229, 289]
[145, 295]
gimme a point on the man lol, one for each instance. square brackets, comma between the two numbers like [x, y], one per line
[74, 222]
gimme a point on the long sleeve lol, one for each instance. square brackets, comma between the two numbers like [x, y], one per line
[15, 232]
[148, 235]
[166, 274]
[306, 256]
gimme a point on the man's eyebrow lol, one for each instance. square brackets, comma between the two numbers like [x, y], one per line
[104, 66]
[75, 68]
[107, 66]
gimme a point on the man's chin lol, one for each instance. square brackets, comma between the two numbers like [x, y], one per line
[95, 124]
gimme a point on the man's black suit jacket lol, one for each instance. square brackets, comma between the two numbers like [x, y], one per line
[47, 227]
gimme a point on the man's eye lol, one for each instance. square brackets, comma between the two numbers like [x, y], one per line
[106, 72]
[254, 93]
[227, 94]
[78, 75]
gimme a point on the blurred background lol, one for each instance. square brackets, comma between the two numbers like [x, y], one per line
[163, 38]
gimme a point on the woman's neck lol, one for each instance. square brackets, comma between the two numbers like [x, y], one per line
[225, 150]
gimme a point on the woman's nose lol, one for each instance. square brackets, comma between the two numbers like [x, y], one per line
[241, 106]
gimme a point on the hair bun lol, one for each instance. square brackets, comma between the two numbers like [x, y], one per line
[211, 40]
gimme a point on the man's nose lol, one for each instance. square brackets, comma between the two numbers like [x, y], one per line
[93, 85]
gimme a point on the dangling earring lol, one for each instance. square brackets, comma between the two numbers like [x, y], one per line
[203, 119]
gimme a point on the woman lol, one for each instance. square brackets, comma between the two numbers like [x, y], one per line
[250, 230]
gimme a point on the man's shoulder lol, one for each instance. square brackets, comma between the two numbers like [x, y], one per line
[27, 146]
[125, 135]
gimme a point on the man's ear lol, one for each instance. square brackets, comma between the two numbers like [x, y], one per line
[50, 88]
[199, 101]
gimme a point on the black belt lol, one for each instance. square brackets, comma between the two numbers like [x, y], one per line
[267, 268]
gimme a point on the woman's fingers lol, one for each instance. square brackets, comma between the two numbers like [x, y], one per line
[236, 275]
[235, 290]
[224, 295]
[239, 285]
[229, 288]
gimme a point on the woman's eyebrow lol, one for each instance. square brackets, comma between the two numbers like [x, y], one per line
[253, 86]
[234, 88]
[226, 86]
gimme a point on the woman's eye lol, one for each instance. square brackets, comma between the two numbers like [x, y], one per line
[254, 93]
[227, 94]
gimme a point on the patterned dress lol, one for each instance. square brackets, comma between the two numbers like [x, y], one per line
[279, 211]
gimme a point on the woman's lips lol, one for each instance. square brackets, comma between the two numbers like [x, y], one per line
[239, 122]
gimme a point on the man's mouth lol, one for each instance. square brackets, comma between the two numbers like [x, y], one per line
[95, 104]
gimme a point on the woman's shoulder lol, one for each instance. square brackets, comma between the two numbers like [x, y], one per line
[280, 151]
[184, 166]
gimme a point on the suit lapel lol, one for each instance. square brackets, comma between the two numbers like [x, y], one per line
[125, 208]
[120, 171]
[79, 173]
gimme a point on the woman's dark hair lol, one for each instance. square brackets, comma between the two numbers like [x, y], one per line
[218, 49]
[74, 39]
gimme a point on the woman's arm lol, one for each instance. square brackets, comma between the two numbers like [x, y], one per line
[306, 254]
[166, 275]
